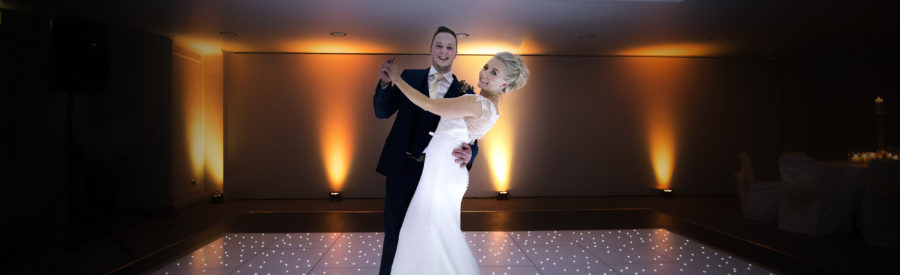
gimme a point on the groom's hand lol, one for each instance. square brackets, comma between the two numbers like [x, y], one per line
[385, 72]
[463, 154]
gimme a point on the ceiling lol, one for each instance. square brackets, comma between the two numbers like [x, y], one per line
[717, 28]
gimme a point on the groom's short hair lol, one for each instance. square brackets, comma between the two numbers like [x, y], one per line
[443, 29]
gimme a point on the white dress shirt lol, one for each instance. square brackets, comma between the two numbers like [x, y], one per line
[444, 84]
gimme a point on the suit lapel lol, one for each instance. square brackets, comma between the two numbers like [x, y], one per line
[423, 82]
[453, 90]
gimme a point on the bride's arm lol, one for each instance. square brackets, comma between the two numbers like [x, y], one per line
[446, 107]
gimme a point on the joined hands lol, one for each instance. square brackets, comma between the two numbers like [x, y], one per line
[385, 72]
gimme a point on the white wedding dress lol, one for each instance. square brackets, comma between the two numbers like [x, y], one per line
[431, 241]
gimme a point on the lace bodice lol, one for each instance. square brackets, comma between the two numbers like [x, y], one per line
[478, 127]
[468, 129]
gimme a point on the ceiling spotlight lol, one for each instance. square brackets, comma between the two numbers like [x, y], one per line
[338, 34]
[228, 34]
[586, 36]
[462, 34]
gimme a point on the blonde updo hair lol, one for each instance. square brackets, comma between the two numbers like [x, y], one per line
[516, 72]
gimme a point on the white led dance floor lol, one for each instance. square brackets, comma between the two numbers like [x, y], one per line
[632, 251]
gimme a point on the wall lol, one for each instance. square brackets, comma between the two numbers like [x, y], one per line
[213, 124]
[829, 103]
[121, 150]
[130, 124]
[584, 126]
[197, 153]
[581, 127]
[187, 95]
[32, 120]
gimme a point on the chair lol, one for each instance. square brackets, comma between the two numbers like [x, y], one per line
[759, 200]
[804, 208]
[880, 208]
[793, 154]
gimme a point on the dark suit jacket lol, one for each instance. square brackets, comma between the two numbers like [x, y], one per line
[412, 124]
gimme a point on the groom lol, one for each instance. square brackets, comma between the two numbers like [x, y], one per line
[402, 158]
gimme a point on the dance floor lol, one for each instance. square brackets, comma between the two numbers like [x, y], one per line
[635, 251]
[610, 241]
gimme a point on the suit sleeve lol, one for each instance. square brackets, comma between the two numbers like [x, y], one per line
[386, 101]
[474, 153]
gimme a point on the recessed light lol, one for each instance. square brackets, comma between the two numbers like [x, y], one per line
[338, 34]
[462, 34]
[228, 34]
[586, 36]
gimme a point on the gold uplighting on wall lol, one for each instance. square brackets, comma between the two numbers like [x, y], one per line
[195, 129]
[485, 48]
[662, 147]
[332, 45]
[202, 109]
[672, 49]
[469, 46]
[213, 119]
[656, 81]
[336, 110]
[499, 155]
[337, 146]
[200, 45]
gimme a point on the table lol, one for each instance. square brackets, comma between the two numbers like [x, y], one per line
[843, 181]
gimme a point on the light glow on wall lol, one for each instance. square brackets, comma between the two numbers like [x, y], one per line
[336, 110]
[672, 49]
[336, 153]
[332, 45]
[213, 119]
[187, 89]
[196, 135]
[202, 109]
[499, 143]
[485, 48]
[661, 136]
[491, 47]
[200, 45]
[656, 81]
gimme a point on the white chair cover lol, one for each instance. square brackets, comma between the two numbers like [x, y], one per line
[759, 200]
[744, 177]
[880, 210]
[804, 207]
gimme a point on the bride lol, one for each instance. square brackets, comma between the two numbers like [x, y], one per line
[431, 241]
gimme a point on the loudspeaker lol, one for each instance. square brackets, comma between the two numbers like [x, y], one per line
[79, 60]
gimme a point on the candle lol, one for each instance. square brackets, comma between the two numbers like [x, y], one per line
[879, 105]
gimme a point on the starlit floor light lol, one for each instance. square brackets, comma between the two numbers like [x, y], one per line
[622, 251]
